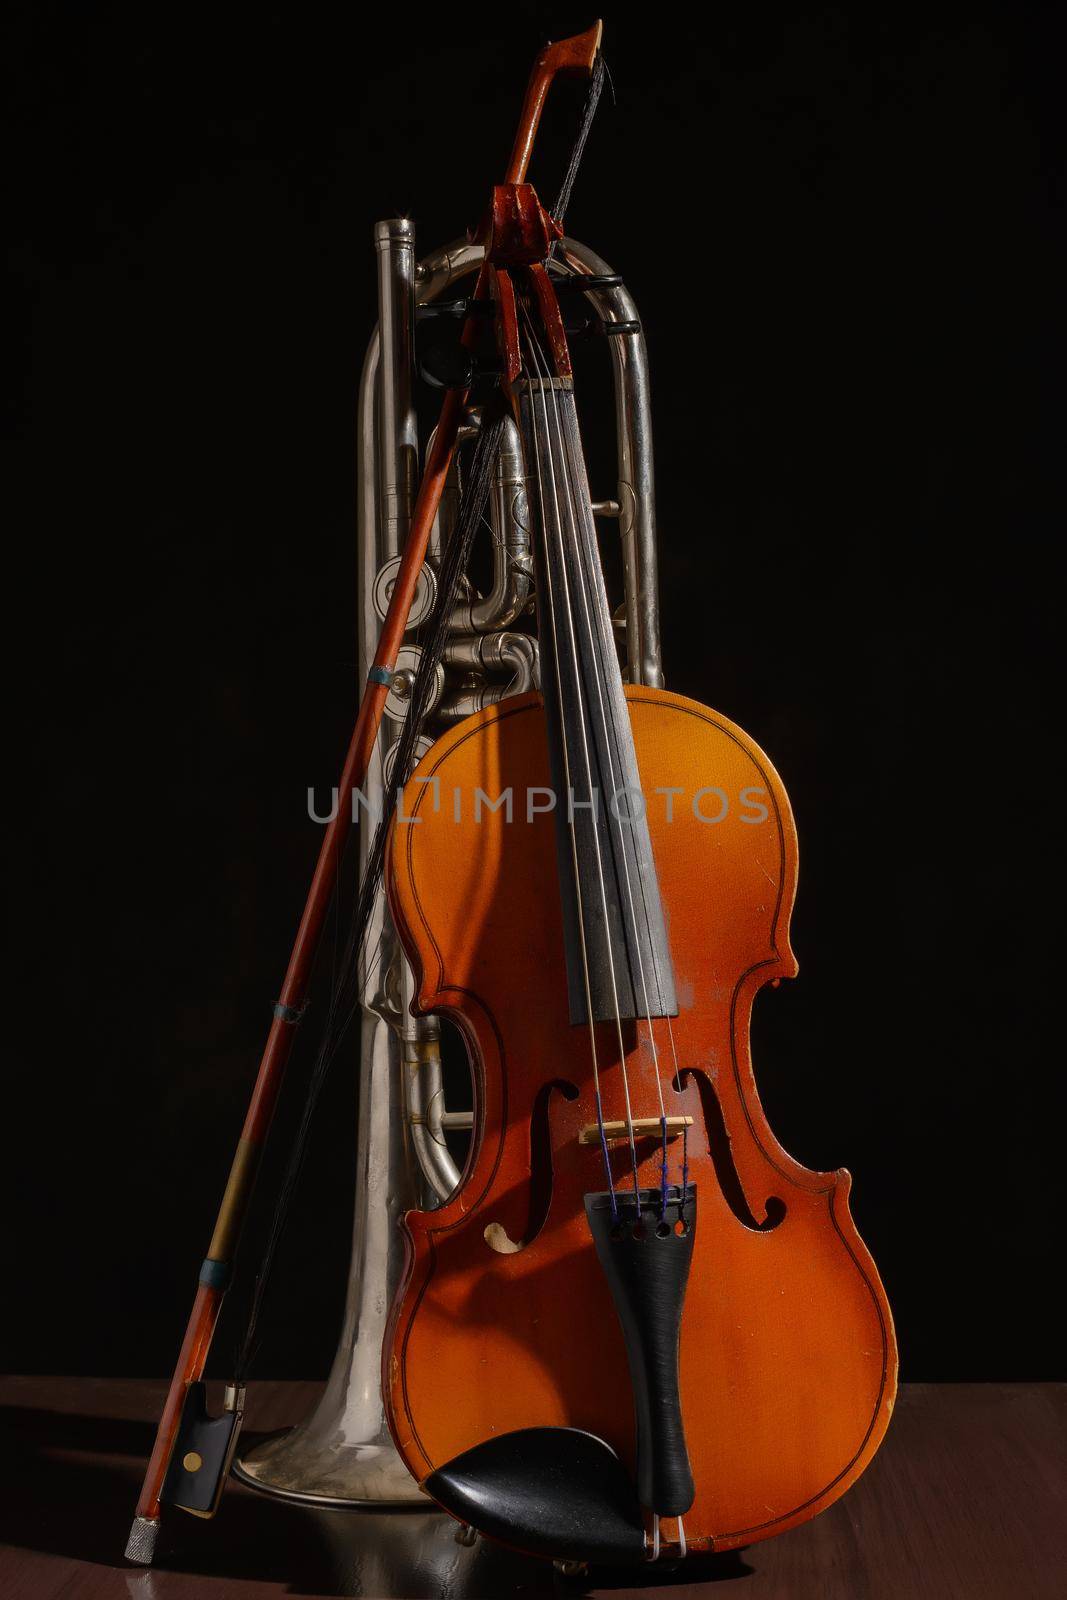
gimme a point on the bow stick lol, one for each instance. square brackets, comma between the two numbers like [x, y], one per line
[575, 56]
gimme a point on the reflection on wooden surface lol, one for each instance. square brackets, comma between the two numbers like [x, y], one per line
[964, 1502]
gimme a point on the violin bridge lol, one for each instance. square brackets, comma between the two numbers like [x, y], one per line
[644, 1128]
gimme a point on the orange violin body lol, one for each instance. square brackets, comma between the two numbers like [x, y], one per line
[505, 1319]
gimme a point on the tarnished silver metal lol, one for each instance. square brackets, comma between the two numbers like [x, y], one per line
[399, 696]
[636, 494]
[511, 657]
[425, 1096]
[444, 267]
[398, 437]
[425, 591]
[342, 1453]
[141, 1545]
[509, 517]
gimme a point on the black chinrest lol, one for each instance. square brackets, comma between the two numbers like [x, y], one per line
[554, 1492]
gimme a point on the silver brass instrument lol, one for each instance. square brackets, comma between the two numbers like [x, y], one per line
[342, 1453]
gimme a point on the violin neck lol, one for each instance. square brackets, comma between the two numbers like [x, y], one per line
[617, 951]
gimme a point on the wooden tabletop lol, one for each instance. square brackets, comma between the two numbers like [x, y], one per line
[967, 1500]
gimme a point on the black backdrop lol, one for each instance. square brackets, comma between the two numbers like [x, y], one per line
[840, 232]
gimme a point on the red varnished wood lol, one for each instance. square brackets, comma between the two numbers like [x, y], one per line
[573, 57]
[190, 1365]
[788, 1361]
[521, 230]
[551, 320]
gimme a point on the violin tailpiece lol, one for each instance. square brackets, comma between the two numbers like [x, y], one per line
[646, 1259]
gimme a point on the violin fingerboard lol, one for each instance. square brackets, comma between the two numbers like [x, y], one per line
[616, 938]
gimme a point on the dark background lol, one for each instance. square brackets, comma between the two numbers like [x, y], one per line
[839, 229]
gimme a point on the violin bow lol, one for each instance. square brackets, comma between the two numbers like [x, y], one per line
[199, 1475]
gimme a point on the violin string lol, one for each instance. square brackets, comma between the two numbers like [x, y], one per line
[585, 578]
[583, 588]
[674, 1052]
[550, 608]
[568, 613]
[543, 378]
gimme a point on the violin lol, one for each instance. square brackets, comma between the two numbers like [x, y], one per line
[638, 1324]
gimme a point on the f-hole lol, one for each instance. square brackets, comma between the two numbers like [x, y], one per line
[723, 1159]
[496, 1235]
